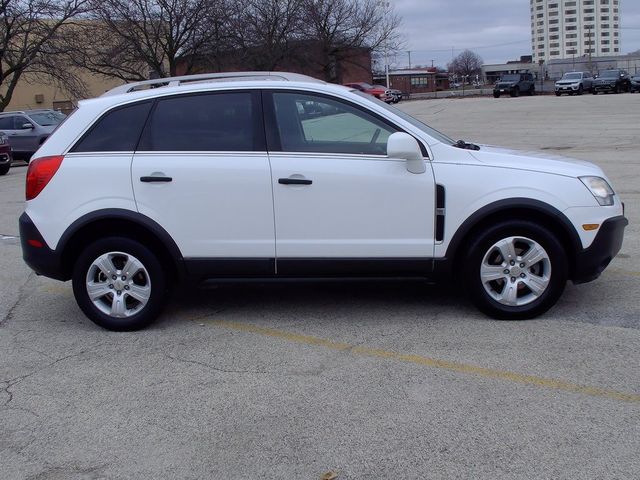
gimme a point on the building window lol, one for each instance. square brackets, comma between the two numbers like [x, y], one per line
[570, 28]
[605, 50]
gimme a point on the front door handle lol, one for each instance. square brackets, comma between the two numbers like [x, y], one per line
[294, 181]
[151, 179]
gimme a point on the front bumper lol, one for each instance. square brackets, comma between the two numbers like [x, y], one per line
[568, 88]
[605, 87]
[503, 88]
[5, 155]
[37, 254]
[591, 262]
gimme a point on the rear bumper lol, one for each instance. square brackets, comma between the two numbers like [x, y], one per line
[37, 254]
[591, 262]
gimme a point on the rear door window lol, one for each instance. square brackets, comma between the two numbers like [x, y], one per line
[208, 122]
[116, 131]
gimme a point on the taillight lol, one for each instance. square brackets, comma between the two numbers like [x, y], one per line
[40, 172]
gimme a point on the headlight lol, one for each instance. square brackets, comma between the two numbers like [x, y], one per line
[600, 189]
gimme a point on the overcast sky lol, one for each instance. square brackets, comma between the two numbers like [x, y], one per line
[498, 30]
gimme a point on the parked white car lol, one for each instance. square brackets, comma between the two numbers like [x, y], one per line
[274, 175]
[574, 83]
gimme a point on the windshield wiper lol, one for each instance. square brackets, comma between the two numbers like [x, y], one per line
[466, 146]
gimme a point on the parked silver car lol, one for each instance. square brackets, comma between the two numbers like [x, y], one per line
[28, 129]
[574, 83]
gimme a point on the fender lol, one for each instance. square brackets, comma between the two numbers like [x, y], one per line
[140, 220]
[514, 204]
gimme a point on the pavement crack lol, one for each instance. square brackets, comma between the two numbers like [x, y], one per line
[21, 293]
[16, 380]
[211, 367]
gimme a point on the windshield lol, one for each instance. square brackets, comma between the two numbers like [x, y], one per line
[572, 76]
[510, 78]
[610, 74]
[408, 118]
[47, 119]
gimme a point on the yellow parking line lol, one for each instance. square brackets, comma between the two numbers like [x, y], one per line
[625, 272]
[430, 362]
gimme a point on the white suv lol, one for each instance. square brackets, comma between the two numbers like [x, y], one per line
[273, 176]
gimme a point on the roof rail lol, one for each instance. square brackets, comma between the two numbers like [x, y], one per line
[204, 77]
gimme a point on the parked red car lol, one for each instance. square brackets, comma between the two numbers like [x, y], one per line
[380, 93]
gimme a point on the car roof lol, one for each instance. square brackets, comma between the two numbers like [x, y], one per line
[195, 83]
[27, 112]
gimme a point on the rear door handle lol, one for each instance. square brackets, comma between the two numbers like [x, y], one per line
[151, 179]
[294, 181]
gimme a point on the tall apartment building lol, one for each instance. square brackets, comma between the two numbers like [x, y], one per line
[574, 28]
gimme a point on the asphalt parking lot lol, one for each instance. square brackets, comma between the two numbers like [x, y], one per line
[369, 381]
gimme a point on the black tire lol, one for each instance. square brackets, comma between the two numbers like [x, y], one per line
[481, 245]
[154, 275]
[496, 95]
[515, 92]
[4, 169]
[580, 90]
[595, 92]
[616, 89]
[532, 91]
[558, 94]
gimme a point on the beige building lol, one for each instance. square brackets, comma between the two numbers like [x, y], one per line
[30, 93]
[574, 28]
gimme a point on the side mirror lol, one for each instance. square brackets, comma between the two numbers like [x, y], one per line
[27, 126]
[404, 146]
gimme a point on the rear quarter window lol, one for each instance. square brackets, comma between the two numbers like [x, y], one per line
[118, 130]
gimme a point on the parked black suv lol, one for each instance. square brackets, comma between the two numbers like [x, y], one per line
[514, 84]
[615, 81]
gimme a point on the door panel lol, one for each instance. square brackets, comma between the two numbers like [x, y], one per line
[355, 208]
[215, 198]
[216, 205]
[349, 200]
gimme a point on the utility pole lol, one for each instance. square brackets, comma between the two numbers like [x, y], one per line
[409, 52]
[590, 64]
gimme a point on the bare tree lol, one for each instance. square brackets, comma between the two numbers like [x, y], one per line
[342, 28]
[31, 33]
[267, 32]
[466, 64]
[135, 39]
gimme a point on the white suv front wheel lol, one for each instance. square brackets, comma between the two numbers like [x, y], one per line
[119, 284]
[515, 270]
